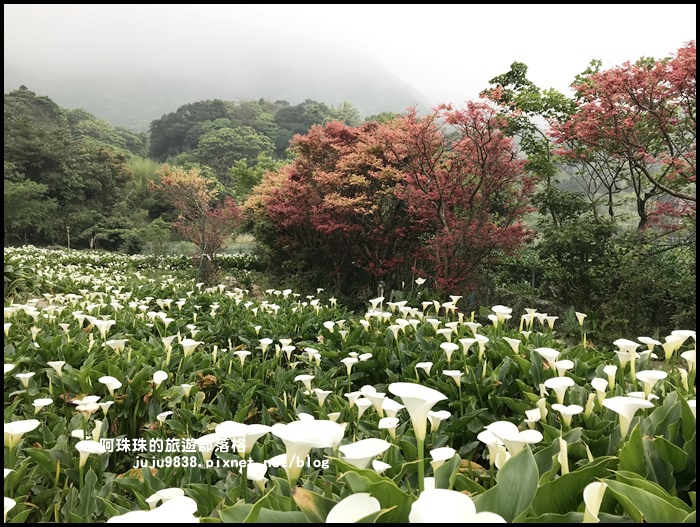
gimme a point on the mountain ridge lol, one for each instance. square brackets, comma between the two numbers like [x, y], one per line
[133, 99]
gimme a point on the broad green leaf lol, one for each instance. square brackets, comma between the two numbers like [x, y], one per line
[515, 489]
[314, 506]
[372, 518]
[236, 514]
[576, 517]
[517, 405]
[272, 516]
[368, 473]
[207, 497]
[459, 424]
[565, 493]
[635, 480]
[43, 459]
[526, 390]
[688, 430]
[660, 471]
[409, 450]
[21, 517]
[669, 452]
[261, 513]
[645, 506]
[552, 472]
[354, 336]
[447, 472]
[112, 509]
[463, 482]
[549, 432]
[632, 454]
[87, 501]
[663, 420]
[386, 492]
[543, 458]
[153, 483]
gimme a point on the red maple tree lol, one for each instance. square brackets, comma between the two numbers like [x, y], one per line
[438, 194]
[642, 114]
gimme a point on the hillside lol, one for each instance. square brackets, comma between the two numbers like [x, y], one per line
[132, 98]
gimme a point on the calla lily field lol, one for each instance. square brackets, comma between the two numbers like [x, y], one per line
[134, 394]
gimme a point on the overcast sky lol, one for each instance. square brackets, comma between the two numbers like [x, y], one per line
[447, 52]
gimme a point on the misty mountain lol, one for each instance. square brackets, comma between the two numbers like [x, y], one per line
[134, 95]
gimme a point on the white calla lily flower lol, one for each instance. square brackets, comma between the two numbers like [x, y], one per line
[436, 418]
[87, 447]
[559, 385]
[249, 433]
[549, 354]
[567, 412]
[16, 429]
[392, 407]
[361, 452]
[178, 509]
[158, 378]
[40, 403]
[418, 400]
[8, 506]
[301, 436]
[600, 386]
[610, 371]
[164, 495]
[626, 407]
[353, 508]
[448, 506]
[440, 456]
[593, 499]
[111, 383]
[689, 357]
[562, 366]
[650, 378]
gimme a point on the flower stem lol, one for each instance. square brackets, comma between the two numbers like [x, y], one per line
[421, 465]
[11, 456]
[244, 483]
[63, 391]
[461, 402]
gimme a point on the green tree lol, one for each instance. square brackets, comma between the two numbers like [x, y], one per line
[49, 159]
[221, 148]
[346, 113]
[528, 108]
[245, 175]
[26, 207]
[383, 117]
[85, 125]
[167, 134]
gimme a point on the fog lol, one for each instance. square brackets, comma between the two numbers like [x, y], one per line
[428, 53]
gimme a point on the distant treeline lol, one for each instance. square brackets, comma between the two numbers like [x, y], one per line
[73, 178]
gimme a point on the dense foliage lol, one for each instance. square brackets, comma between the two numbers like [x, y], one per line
[126, 385]
[616, 197]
